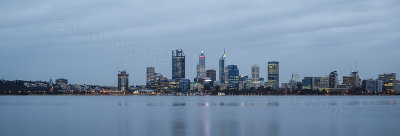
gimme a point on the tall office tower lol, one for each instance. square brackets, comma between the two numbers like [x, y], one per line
[226, 75]
[255, 73]
[233, 77]
[389, 81]
[222, 68]
[273, 74]
[150, 72]
[201, 67]
[212, 74]
[333, 79]
[178, 64]
[355, 80]
[123, 82]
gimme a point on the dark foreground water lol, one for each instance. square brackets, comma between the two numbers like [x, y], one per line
[199, 115]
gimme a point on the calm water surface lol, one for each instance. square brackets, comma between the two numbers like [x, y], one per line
[199, 115]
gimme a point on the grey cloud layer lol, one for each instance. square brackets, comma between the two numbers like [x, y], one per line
[309, 37]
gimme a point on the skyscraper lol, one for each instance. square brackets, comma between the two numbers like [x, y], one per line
[222, 68]
[356, 81]
[273, 74]
[389, 81]
[178, 64]
[150, 72]
[333, 79]
[201, 67]
[255, 73]
[123, 82]
[233, 77]
[212, 74]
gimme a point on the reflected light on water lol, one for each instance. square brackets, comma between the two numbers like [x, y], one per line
[201, 116]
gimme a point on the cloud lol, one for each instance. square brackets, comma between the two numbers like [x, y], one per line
[95, 39]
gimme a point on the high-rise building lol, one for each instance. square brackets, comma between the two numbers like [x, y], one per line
[255, 73]
[355, 80]
[273, 74]
[156, 81]
[389, 81]
[347, 80]
[333, 79]
[178, 64]
[233, 77]
[123, 81]
[150, 72]
[320, 83]
[307, 83]
[315, 83]
[184, 85]
[293, 81]
[212, 74]
[222, 68]
[397, 86]
[201, 67]
[372, 85]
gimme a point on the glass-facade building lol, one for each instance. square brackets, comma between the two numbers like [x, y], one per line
[212, 74]
[184, 85]
[178, 64]
[255, 73]
[222, 68]
[319, 83]
[307, 83]
[123, 81]
[149, 73]
[233, 77]
[273, 74]
[333, 79]
[201, 67]
[372, 85]
[389, 81]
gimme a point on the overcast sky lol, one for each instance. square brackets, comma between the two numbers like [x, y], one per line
[89, 41]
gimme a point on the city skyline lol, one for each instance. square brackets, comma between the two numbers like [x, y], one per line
[150, 70]
[199, 67]
[262, 74]
[39, 41]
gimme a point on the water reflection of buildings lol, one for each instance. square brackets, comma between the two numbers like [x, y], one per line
[204, 122]
[179, 117]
